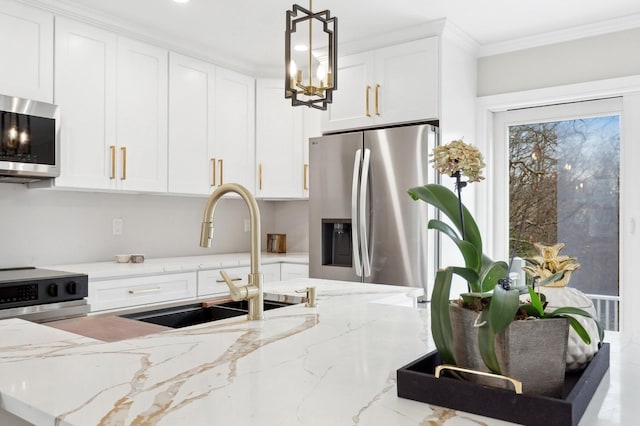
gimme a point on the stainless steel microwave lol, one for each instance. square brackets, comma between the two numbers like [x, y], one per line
[29, 140]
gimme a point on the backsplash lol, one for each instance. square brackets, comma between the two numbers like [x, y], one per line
[48, 227]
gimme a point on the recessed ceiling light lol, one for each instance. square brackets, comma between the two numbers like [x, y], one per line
[181, 1]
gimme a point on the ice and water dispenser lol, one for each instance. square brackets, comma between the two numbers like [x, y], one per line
[336, 242]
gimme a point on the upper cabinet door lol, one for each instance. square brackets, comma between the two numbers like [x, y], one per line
[192, 167]
[279, 142]
[312, 129]
[351, 106]
[85, 89]
[26, 62]
[235, 129]
[396, 84]
[407, 82]
[142, 116]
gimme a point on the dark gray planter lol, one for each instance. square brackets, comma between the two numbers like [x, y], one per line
[531, 351]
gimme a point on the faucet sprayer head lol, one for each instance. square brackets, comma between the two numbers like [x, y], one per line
[206, 234]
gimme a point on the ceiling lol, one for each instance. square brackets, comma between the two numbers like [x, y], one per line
[251, 32]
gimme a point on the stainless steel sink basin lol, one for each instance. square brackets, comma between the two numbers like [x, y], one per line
[198, 313]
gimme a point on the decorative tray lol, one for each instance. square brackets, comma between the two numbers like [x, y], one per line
[417, 381]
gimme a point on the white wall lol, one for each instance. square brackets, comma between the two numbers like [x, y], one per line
[47, 227]
[587, 59]
[291, 218]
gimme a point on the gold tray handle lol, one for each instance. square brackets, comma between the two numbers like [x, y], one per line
[517, 384]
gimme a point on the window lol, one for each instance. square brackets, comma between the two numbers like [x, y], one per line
[563, 185]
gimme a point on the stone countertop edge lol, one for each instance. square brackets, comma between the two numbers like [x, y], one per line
[332, 364]
[151, 266]
[181, 375]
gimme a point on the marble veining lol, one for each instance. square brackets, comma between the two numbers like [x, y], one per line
[332, 364]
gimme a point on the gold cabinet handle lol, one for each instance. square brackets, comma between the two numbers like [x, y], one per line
[232, 279]
[366, 109]
[124, 162]
[260, 176]
[112, 148]
[220, 164]
[305, 175]
[377, 99]
[145, 290]
[213, 172]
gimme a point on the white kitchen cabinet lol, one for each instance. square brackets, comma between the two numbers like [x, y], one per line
[141, 117]
[112, 92]
[192, 167]
[26, 63]
[270, 272]
[234, 149]
[279, 142]
[289, 271]
[394, 84]
[140, 291]
[210, 281]
[312, 129]
[85, 89]
[283, 132]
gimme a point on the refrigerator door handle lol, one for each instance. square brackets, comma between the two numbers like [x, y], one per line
[355, 240]
[364, 240]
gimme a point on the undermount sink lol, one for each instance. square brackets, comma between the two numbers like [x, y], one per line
[199, 313]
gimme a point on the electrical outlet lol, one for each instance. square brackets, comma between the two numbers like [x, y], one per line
[247, 225]
[118, 225]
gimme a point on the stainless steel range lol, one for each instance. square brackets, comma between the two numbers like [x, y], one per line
[42, 295]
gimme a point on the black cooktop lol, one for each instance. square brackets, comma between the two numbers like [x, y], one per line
[27, 286]
[30, 273]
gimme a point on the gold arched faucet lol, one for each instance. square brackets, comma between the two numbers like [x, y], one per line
[252, 292]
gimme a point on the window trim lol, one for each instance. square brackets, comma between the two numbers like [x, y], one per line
[500, 172]
[487, 201]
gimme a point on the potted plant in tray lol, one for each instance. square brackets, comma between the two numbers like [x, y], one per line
[490, 328]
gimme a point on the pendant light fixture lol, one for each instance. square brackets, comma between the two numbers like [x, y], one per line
[311, 57]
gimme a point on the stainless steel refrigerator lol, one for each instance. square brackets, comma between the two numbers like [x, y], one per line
[363, 226]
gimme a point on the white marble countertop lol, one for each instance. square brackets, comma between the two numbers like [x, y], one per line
[111, 269]
[334, 364]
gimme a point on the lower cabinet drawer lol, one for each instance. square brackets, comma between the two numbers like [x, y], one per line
[127, 292]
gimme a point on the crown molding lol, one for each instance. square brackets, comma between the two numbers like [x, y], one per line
[123, 27]
[428, 29]
[553, 37]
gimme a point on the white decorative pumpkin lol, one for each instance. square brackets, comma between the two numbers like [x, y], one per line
[578, 353]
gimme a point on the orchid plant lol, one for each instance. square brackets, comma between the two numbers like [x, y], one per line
[489, 287]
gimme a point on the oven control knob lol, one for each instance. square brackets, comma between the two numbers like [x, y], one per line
[52, 290]
[72, 287]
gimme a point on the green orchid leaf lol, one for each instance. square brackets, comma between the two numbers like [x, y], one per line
[503, 307]
[469, 253]
[478, 294]
[579, 329]
[536, 303]
[577, 311]
[444, 228]
[486, 343]
[500, 313]
[447, 202]
[441, 329]
[530, 310]
[491, 272]
[468, 274]
[470, 298]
